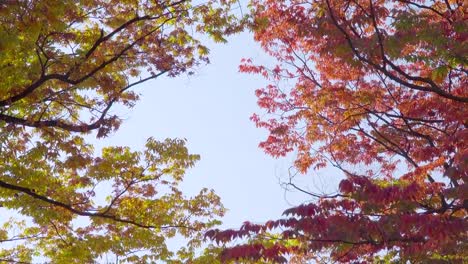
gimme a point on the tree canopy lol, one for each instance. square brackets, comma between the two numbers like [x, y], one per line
[374, 88]
[65, 66]
[377, 89]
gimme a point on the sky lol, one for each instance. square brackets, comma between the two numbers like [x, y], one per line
[211, 109]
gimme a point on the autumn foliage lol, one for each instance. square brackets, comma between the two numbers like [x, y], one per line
[379, 90]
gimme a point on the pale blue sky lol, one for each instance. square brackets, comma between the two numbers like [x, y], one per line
[211, 109]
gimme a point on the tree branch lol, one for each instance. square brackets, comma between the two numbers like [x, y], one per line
[73, 210]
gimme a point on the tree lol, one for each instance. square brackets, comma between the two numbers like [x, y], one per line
[65, 66]
[377, 89]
